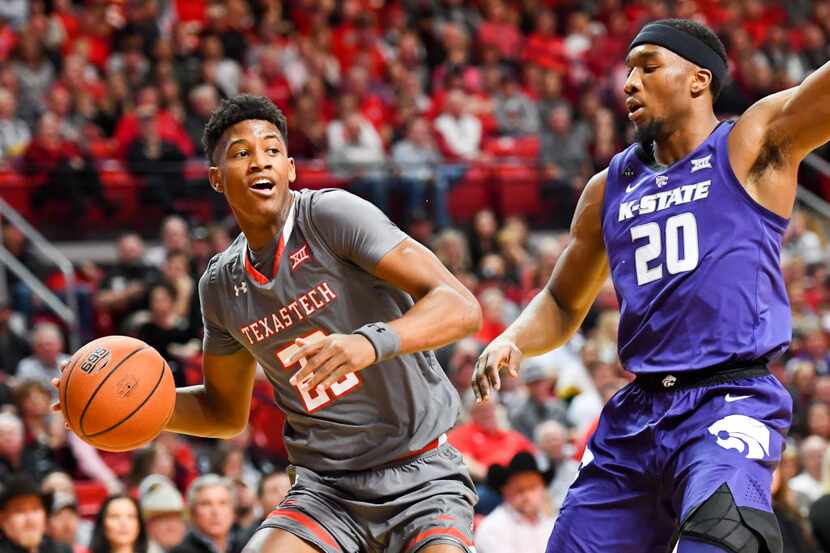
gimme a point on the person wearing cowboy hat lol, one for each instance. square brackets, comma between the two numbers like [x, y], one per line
[523, 521]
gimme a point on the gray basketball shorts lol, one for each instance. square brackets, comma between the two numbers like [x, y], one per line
[397, 508]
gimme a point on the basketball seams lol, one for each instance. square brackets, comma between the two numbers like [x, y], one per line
[101, 384]
[137, 408]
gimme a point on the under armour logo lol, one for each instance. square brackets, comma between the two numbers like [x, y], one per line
[242, 288]
[704, 162]
[661, 180]
[746, 435]
[669, 381]
[299, 256]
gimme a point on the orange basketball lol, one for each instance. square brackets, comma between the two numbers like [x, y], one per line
[117, 393]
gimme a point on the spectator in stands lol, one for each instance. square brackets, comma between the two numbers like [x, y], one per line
[152, 459]
[356, 152]
[563, 157]
[523, 521]
[792, 523]
[540, 404]
[272, 489]
[176, 272]
[62, 173]
[552, 440]
[460, 366]
[63, 524]
[419, 163]
[157, 161]
[23, 519]
[818, 419]
[15, 241]
[586, 407]
[806, 487]
[119, 527]
[487, 439]
[460, 132]
[14, 132]
[306, 129]
[163, 509]
[202, 101]
[125, 288]
[168, 332]
[47, 356]
[211, 503]
[13, 347]
[516, 113]
[167, 126]
[35, 74]
[175, 237]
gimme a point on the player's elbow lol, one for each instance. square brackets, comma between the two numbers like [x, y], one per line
[230, 428]
[472, 317]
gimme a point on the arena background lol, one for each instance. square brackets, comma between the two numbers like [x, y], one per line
[473, 124]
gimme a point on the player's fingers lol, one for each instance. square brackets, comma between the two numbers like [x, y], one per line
[478, 373]
[485, 383]
[309, 367]
[335, 376]
[513, 361]
[322, 374]
[306, 349]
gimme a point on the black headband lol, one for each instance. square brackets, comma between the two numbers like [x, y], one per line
[684, 45]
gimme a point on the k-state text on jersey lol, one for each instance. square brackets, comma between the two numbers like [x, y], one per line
[659, 201]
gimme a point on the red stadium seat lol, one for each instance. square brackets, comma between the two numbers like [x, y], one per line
[316, 176]
[524, 147]
[517, 190]
[470, 195]
[90, 496]
[121, 188]
[15, 190]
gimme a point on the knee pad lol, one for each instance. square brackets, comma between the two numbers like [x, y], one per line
[719, 521]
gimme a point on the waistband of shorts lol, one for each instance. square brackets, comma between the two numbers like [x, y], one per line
[716, 374]
[434, 444]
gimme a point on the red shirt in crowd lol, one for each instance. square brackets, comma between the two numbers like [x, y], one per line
[169, 129]
[489, 447]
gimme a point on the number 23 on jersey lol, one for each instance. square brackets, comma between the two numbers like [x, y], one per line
[319, 397]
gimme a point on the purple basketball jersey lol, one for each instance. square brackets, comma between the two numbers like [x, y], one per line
[695, 262]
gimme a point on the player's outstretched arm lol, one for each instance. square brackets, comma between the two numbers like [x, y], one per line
[556, 312]
[774, 135]
[218, 408]
[444, 311]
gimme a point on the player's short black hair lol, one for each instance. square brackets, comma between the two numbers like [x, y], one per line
[236, 109]
[708, 37]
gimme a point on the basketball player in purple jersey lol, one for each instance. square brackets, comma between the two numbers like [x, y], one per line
[688, 222]
[318, 290]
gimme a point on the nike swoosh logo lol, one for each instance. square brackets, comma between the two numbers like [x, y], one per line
[631, 188]
[730, 398]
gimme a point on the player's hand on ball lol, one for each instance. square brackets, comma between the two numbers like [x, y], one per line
[500, 354]
[328, 359]
[56, 382]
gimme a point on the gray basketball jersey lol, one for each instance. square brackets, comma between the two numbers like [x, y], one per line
[322, 283]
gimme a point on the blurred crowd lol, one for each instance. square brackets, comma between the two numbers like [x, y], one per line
[397, 98]
[399, 101]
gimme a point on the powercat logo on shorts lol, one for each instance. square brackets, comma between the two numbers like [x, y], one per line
[96, 361]
[748, 436]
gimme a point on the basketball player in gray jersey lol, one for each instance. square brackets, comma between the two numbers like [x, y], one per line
[318, 290]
